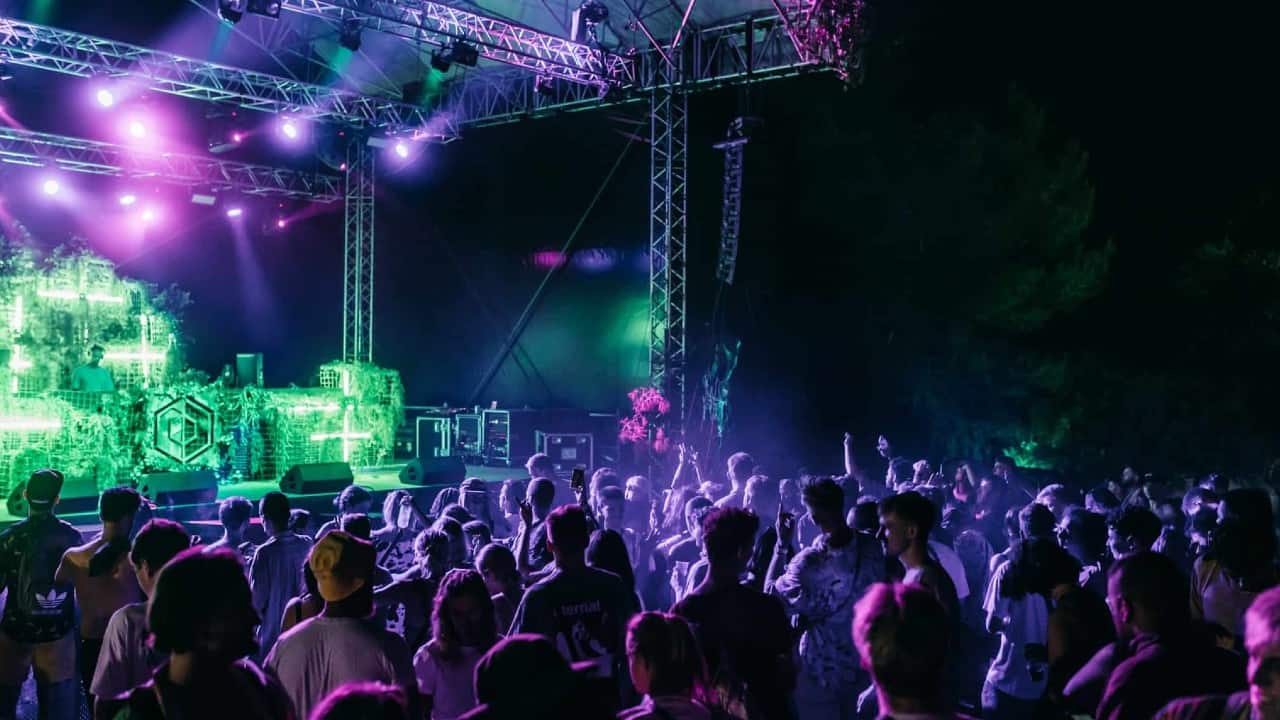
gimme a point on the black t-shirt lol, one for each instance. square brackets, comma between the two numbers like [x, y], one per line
[584, 612]
[38, 608]
[744, 634]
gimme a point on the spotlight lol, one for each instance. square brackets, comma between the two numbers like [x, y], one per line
[441, 62]
[231, 10]
[136, 129]
[586, 18]
[235, 212]
[544, 85]
[204, 197]
[281, 223]
[402, 150]
[349, 35]
[269, 8]
[105, 98]
[289, 129]
[465, 54]
[150, 215]
[50, 187]
[128, 199]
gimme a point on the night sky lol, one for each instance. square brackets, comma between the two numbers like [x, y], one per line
[1173, 108]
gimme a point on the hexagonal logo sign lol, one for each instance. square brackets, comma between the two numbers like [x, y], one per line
[184, 429]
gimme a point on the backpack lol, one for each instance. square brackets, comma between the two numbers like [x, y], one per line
[42, 607]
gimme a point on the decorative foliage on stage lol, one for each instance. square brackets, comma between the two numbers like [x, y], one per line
[644, 427]
[162, 415]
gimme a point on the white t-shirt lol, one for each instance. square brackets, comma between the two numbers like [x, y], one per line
[87, 378]
[450, 684]
[954, 566]
[325, 653]
[1014, 671]
[126, 662]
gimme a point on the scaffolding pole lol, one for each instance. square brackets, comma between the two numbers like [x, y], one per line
[357, 290]
[669, 137]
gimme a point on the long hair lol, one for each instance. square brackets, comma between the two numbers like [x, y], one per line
[458, 584]
[668, 646]
[607, 551]
[1036, 565]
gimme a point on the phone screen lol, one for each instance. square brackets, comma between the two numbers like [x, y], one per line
[578, 481]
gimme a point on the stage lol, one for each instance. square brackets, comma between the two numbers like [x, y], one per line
[379, 480]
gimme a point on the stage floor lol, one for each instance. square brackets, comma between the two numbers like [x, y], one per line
[378, 480]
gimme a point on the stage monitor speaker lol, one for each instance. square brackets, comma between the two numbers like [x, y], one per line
[194, 487]
[434, 471]
[316, 478]
[79, 495]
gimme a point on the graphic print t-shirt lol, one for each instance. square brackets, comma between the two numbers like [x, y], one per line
[584, 612]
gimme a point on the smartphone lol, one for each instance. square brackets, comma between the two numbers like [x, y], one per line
[579, 479]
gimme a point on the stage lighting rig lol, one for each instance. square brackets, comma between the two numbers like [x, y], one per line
[232, 10]
[441, 61]
[586, 18]
[349, 35]
[267, 8]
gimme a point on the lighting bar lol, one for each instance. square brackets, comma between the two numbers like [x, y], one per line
[303, 409]
[27, 424]
[100, 158]
[319, 437]
[77, 295]
[45, 48]
[500, 41]
[135, 355]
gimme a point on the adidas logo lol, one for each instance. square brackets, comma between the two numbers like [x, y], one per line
[51, 601]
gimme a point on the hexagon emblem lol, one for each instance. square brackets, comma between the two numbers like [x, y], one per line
[183, 429]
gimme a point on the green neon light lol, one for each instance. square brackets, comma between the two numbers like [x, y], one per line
[135, 355]
[17, 363]
[303, 409]
[77, 295]
[16, 320]
[26, 424]
[319, 437]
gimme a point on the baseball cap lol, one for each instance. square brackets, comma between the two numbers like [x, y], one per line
[342, 565]
[44, 487]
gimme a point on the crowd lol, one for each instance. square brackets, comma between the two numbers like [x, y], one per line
[891, 590]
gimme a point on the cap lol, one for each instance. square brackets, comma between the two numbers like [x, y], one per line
[342, 565]
[44, 487]
[474, 485]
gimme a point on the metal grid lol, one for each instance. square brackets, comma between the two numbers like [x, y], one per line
[496, 40]
[731, 210]
[37, 46]
[23, 147]
[357, 289]
[668, 183]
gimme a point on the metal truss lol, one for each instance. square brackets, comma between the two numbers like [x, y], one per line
[737, 53]
[497, 40]
[23, 147]
[357, 289]
[731, 213]
[668, 184]
[30, 45]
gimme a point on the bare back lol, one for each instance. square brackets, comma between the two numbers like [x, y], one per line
[98, 597]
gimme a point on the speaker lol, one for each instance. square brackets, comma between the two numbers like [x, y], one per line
[194, 487]
[249, 370]
[316, 478]
[434, 471]
[79, 495]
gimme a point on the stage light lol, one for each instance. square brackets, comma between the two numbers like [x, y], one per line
[441, 62]
[402, 150]
[150, 215]
[204, 197]
[128, 199]
[289, 129]
[465, 54]
[136, 129]
[105, 98]
[349, 35]
[50, 187]
[235, 212]
[281, 223]
[269, 8]
[231, 10]
[237, 137]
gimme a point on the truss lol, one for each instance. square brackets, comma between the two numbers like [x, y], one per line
[23, 147]
[45, 48]
[497, 40]
[731, 213]
[668, 183]
[357, 289]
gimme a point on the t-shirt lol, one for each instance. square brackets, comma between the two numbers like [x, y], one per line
[125, 661]
[87, 378]
[583, 611]
[1021, 666]
[450, 684]
[404, 607]
[245, 549]
[39, 608]
[276, 578]
[667, 707]
[745, 637]
[395, 549]
[324, 653]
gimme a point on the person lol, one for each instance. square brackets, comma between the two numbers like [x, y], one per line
[345, 643]
[235, 513]
[751, 674]
[819, 587]
[364, 701]
[1165, 659]
[607, 551]
[477, 535]
[300, 522]
[473, 496]
[1131, 529]
[1011, 534]
[1083, 535]
[361, 526]
[532, 553]
[92, 377]
[1079, 623]
[443, 499]
[457, 539]
[740, 468]
[684, 550]
[1240, 562]
[509, 498]
[276, 569]
[201, 616]
[610, 505]
[789, 496]
[1101, 501]
[498, 568]
[463, 630]
[1261, 701]
[903, 636]
[540, 466]
[666, 667]
[1056, 497]
[39, 614]
[101, 575]
[125, 661]
[305, 606]
[404, 606]
[352, 499]
[401, 523]
[905, 522]
[1017, 607]
[524, 677]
